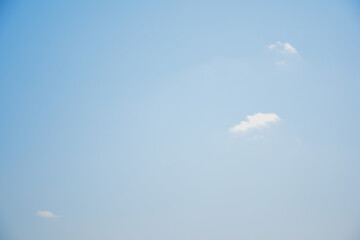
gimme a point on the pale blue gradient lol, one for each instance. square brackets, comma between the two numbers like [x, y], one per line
[115, 116]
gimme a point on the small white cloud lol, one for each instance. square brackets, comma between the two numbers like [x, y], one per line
[288, 48]
[46, 214]
[283, 48]
[256, 121]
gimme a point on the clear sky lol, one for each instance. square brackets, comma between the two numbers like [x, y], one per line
[173, 120]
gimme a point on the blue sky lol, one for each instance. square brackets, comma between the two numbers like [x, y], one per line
[179, 120]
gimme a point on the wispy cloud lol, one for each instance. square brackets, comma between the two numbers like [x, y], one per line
[258, 138]
[256, 121]
[283, 48]
[281, 63]
[46, 214]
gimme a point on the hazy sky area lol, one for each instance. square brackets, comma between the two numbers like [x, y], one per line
[179, 120]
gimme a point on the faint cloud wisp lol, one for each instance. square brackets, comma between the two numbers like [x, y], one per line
[281, 63]
[46, 214]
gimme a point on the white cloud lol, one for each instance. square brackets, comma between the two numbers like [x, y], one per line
[46, 214]
[257, 121]
[284, 48]
[288, 48]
